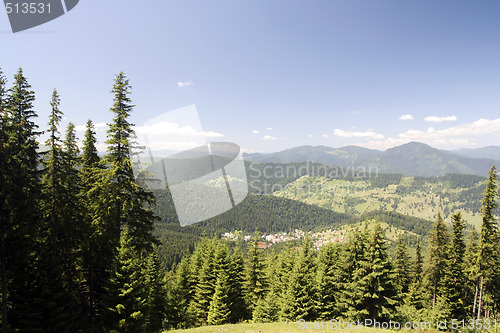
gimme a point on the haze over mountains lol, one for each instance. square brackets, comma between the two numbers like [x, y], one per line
[411, 159]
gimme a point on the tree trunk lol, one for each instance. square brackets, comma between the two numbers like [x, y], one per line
[475, 299]
[4, 286]
[434, 296]
[480, 298]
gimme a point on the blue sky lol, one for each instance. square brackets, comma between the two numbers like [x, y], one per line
[270, 75]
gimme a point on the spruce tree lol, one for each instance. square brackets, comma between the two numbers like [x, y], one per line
[20, 195]
[354, 257]
[472, 271]
[236, 280]
[219, 309]
[130, 203]
[61, 207]
[416, 293]
[300, 296]
[438, 257]
[98, 245]
[3, 203]
[268, 308]
[454, 280]
[373, 286]
[125, 302]
[255, 279]
[205, 285]
[489, 258]
[179, 295]
[329, 265]
[402, 268]
[156, 296]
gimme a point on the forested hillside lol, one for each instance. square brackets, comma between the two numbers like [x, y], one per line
[76, 232]
[453, 280]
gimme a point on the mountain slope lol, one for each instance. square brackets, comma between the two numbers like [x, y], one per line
[490, 152]
[411, 159]
[343, 156]
[419, 159]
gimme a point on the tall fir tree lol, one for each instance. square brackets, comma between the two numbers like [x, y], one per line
[300, 295]
[489, 275]
[98, 245]
[353, 259]
[125, 301]
[416, 293]
[179, 295]
[472, 270]
[20, 220]
[130, 203]
[156, 294]
[373, 286]
[438, 257]
[329, 265]
[3, 203]
[255, 278]
[402, 268]
[454, 280]
[60, 207]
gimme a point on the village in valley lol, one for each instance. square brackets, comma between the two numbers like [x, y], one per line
[268, 239]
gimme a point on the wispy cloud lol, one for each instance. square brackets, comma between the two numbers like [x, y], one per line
[269, 129]
[187, 83]
[406, 117]
[255, 132]
[436, 119]
[356, 134]
[455, 136]
[269, 138]
[311, 136]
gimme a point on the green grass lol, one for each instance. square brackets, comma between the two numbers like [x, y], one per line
[291, 327]
[358, 197]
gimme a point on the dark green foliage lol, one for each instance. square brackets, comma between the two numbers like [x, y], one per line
[20, 191]
[125, 302]
[402, 268]
[472, 270]
[179, 295]
[489, 259]
[299, 299]
[329, 266]
[454, 280]
[130, 203]
[372, 286]
[437, 258]
[255, 280]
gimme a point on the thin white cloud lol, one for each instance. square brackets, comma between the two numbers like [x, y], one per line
[436, 119]
[269, 138]
[311, 136]
[356, 134]
[325, 135]
[169, 128]
[255, 132]
[269, 129]
[406, 117]
[463, 135]
[187, 83]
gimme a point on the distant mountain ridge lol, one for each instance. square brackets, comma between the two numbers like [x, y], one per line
[410, 159]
